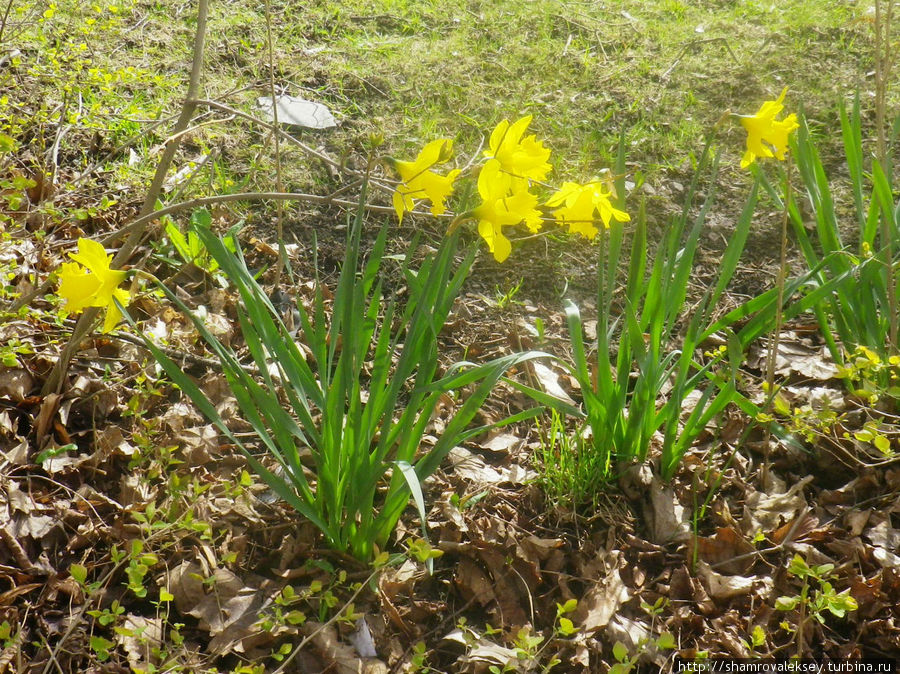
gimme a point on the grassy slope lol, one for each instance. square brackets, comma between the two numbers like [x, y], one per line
[661, 71]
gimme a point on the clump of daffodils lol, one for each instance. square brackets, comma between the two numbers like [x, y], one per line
[515, 164]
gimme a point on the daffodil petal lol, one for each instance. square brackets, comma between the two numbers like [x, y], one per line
[496, 139]
[524, 159]
[517, 129]
[497, 244]
[91, 255]
[77, 286]
[399, 204]
[113, 316]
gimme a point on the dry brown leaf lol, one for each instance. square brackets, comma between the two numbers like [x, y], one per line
[103, 399]
[856, 521]
[6, 598]
[794, 356]
[394, 582]
[685, 587]
[729, 632]
[668, 518]
[44, 421]
[401, 579]
[185, 583]
[111, 441]
[216, 388]
[868, 594]
[501, 443]
[473, 582]
[454, 522]
[508, 576]
[236, 621]
[181, 415]
[220, 326]
[17, 455]
[603, 599]
[64, 463]
[538, 549]
[886, 558]
[200, 444]
[229, 612]
[813, 555]
[720, 586]
[338, 657]
[884, 535]
[135, 491]
[798, 528]
[722, 550]
[481, 650]
[15, 384]
[635, 480]
[139, 638]
[630, 632]
[549, 381]
[766, 512]
[473, 468]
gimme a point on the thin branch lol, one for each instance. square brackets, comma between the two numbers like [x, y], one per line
[694, 43]
[142, 222]
[88, 319]
[279, 183]
[326, 624]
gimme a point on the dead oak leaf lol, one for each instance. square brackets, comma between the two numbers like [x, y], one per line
[766, 512]
[602, 600]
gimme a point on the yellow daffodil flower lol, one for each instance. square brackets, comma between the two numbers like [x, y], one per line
[499, 207]
[766, 136]
[523, 159]
[89, 282]
[420, 182]
[579, 204]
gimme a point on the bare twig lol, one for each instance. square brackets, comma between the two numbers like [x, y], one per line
[325, 625]
[142, 222]
[883, 62]
[279, 184]
[694, 43]
[87, 320]
[5, 18]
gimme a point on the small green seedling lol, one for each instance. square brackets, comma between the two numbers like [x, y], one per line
[757, 639]
[825, 598]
